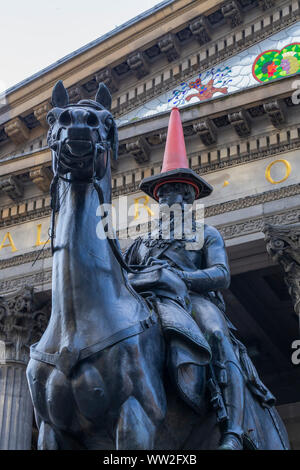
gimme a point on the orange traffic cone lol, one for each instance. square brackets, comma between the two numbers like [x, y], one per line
[175, 166]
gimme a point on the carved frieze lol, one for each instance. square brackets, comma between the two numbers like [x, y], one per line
[241, 122]
[138, 64]
[169, 45]
[207, 131]
[283, 245]
[17, 131]
[232, 13]
[12, 187]
[42, 177]
[41, 112]
[276, 112]
[139, 149]
[108, 77]
[200, 29]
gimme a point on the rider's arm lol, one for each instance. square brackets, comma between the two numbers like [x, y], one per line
[216, 273]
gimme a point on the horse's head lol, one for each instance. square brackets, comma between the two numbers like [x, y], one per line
[81, 135]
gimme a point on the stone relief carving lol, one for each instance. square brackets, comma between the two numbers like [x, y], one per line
[283, 245]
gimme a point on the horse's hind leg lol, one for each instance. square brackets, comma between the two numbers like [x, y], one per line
[135, 430]
[47, 438]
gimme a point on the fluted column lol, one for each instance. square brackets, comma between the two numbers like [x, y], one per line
[20, 325]
[283, 245]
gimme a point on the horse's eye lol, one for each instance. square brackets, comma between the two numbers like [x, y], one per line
[51, 119]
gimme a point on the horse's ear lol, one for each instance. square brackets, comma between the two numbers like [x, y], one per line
[103, 96]
[60, 97]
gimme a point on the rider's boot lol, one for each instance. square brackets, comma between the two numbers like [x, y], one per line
[234, 395]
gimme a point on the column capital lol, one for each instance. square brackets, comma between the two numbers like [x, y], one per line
[21, 324]
[283, 245]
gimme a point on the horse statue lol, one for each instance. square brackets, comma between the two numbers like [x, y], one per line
[98, 376]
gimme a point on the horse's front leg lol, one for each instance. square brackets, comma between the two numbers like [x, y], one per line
[47, 439]
[135, 430]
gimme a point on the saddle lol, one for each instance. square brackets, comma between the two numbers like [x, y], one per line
[188, 350]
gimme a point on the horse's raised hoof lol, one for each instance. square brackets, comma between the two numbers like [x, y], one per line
[231, 442]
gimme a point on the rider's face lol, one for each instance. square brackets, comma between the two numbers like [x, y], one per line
[176, 193]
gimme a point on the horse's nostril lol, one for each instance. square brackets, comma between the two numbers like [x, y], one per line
[92, 120]
[65, 118]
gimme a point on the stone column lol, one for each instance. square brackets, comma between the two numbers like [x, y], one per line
[283, 245]
[20, 325]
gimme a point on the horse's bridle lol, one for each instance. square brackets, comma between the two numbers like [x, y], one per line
[99, 149]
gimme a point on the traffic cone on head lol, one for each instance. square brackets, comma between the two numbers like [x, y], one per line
[175, 168]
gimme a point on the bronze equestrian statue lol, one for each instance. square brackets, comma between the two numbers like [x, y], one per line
[119, 370]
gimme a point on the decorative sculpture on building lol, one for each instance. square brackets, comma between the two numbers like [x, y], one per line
[283, 245]
[116, 369]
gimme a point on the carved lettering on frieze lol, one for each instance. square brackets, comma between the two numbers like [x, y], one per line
[232, 13]
[40, 113]
[42, 177]
[17, 131]
[200, 29]
[169, 45]
[139, 149]
[207, 131]
[138, 64]
[283, 245]
[108, 77]
[241, 122]
[276, 112]
[12, 187]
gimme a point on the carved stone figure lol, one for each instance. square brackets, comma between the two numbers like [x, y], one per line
[283, 245]
[114, 369]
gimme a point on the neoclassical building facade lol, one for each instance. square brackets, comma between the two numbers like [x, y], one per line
[231, 68]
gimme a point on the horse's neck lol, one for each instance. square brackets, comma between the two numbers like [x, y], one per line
[91, 298]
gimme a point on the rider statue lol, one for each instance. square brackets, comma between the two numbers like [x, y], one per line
[205, 271]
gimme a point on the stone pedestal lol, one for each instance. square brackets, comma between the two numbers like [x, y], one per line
[20, 325]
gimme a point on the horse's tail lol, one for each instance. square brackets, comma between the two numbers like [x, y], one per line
[264, 429]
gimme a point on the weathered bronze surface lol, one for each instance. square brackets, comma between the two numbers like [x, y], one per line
[114, 370]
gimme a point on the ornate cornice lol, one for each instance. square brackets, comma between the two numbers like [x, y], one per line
[245, 41]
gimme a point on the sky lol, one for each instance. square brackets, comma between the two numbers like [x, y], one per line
[36, 33]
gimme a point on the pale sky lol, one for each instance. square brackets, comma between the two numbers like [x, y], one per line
[36, 33]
